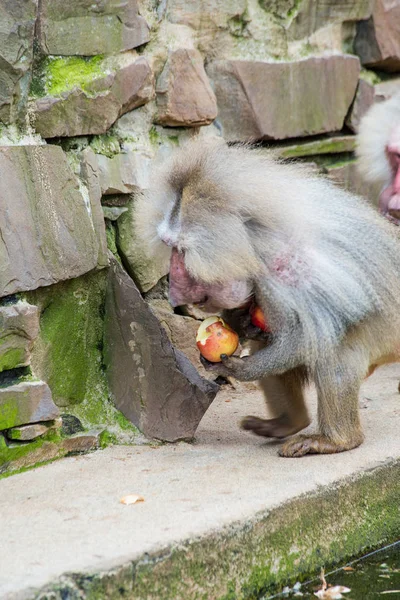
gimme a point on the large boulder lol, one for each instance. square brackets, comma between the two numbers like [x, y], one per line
[270, 100]
[184, 94]
[17, 25]
[47, 233]
[92, 101]
[90, 27]
[378, 39]
[152, 383]
[19, 327]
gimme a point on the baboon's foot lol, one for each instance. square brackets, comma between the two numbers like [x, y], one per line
[316, 444]
[280, 427]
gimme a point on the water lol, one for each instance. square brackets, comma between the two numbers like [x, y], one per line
[373, 577]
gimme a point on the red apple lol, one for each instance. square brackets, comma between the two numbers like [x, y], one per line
[215, 337]
[258, 318]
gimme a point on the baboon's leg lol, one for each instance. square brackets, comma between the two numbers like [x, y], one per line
[338, 413]
[284, 396]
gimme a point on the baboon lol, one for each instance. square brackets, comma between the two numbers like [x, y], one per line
[322, 264]
[379, 153]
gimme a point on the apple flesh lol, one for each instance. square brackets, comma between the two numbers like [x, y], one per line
[258, 318]
[215, 337]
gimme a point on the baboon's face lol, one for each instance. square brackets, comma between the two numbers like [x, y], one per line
[184, 289]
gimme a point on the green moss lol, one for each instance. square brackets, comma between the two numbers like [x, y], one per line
[154, 135]
[55, 75]
[322, 146]
[12, 358]
[111, 236]
[370, 76]
[107, 438]
[107, 144]
[68, 352]
[19, 455]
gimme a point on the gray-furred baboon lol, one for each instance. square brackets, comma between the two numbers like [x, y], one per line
[321, 263]
[379, 153]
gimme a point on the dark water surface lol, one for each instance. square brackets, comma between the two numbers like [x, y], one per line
[375, 577]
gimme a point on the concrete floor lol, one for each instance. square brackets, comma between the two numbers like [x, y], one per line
[67, 516]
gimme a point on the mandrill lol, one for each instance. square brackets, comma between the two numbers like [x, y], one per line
[379, 153]
[324, 267]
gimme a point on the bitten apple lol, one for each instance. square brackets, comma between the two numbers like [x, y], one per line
[215, 337]
[258, 318]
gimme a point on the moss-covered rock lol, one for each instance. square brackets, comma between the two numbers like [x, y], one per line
[142, 270]
[68, 351]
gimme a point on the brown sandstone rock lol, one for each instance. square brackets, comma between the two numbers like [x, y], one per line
[17, 24]
[265, 100]
[314, 14]
[184, 94]
[47, 234]
[207, 14]
[378, 39]
[26, 402]
[19, 327]
[94, 109]
[152, 383]
[90, 27]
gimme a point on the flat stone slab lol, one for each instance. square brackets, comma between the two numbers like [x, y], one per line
[26, 402]
[199, 501]
[260, 100]
[46, 231]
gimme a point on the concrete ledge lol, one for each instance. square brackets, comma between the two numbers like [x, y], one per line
[224, 518]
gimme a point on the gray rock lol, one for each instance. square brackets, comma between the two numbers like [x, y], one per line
[19, 327]
[17, 18]
[91, 177]
[311, 15]
[145, 272]
[127, 82]
[211, 15]
[47, 234]
[184, 94]
[113, 213]
[82, 442]
[181, 332]
[123, 173]
[90, 27]
[25, 433]
[378, 39]
[26, 402]
[152, 383]
[266, 100]
[363, 100]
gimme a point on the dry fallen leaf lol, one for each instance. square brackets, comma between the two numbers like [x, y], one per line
[131, 499]
[348, 569]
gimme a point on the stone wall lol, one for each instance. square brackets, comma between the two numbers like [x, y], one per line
[91, 93]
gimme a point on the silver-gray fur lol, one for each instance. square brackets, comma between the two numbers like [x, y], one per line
[322, 263]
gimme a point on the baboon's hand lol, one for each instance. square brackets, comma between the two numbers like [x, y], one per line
[230, 366]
